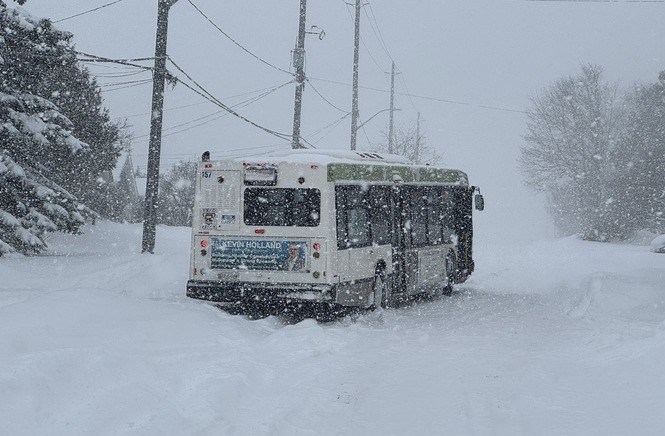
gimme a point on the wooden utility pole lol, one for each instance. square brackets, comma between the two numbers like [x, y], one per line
[299, 65]
[356, 59]
[416, 154]
[154, 148]
[391, 126]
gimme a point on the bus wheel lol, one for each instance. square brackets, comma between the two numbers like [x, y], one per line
[451, 273]
[379, 296]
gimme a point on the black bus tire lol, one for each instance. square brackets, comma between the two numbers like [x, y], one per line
[379, 291]
[451, 273]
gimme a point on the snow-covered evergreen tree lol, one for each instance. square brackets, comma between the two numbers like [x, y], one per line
[176, 195]
[35, 138]
[41, 60]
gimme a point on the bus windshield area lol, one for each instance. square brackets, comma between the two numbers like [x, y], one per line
[282, 207]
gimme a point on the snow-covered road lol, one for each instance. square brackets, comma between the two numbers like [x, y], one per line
[555, 337]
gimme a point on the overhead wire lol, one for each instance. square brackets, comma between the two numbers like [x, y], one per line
[126, 62]
[118, 75]
[236, 42]
[224, 113]
[257, 147]
[206, 94]
[442, 100]
[362, 40]
[331, 127]
[88, 11]
[128, 82]
[378, 33]
[408, 93]
[324, 98]
[140, 83]
[206, 101]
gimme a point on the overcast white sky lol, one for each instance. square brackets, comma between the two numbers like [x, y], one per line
[481, 53]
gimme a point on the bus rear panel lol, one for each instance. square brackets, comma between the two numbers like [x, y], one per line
[258, 233]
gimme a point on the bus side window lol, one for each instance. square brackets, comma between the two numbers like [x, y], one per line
[380, 214]
[434, 221]
[352, 218]
[418, 208]
[448, 215]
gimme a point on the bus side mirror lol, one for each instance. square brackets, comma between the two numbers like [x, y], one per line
[480, 202]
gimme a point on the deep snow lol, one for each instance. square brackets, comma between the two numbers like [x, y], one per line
[555, 337]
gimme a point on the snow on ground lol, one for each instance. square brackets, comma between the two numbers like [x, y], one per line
[555, 337]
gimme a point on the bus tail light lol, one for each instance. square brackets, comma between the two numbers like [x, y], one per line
[204, 244]
[260, 231]
[316, 246]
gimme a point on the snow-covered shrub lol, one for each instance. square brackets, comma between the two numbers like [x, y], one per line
[658, 244]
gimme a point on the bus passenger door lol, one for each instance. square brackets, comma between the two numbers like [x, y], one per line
[357, 256]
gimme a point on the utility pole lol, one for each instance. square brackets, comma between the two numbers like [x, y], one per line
[299, 64]
[391, 126]
[154, 148]
[354, 101]
[416, 154]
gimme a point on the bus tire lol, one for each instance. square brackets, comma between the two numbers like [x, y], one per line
[379, 291]
[451, 273]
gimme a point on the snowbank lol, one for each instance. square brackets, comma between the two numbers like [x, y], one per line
[658, 244]
[558, 337]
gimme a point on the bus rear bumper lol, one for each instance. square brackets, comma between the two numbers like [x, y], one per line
[231, 292]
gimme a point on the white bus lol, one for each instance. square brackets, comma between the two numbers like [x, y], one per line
[328, 228]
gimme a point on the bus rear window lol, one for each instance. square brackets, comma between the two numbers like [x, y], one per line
[282, 207]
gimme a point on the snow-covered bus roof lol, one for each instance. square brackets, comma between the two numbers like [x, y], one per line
[364, 166]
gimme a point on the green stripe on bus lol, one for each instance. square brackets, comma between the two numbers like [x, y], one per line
[384, 173]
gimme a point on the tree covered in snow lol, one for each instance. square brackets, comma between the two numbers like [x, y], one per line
[410, 142]
[41, 60]
[641, 159]
[573, 130]
[599, 155]
[176, 195]
[36, 140]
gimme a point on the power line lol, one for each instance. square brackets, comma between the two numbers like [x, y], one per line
[87, 12]
[205, 94]
[362, 40]
[325, 99]
[236, 42]
[128, 82]
[377, 32]
[126, 62]
[442, 100]
[138, 83]
[199, 103]
[244, 103]
[406, 88]
[256, 147]
[332, 126]
[118, 75]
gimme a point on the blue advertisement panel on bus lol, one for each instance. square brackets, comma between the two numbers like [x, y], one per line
[254, 254]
